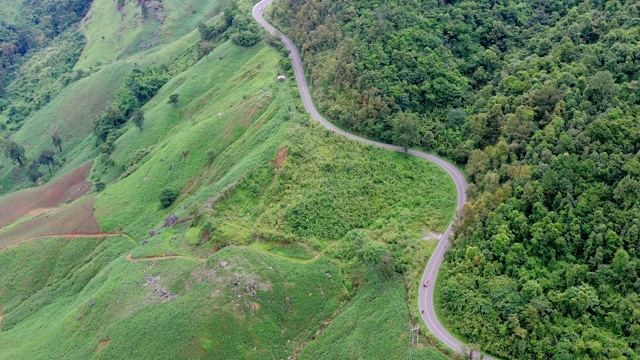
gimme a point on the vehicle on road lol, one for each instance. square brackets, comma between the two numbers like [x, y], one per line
[426, 283]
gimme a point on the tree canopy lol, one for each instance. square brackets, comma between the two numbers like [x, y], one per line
[540, 101]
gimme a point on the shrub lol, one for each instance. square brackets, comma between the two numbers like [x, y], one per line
[167, 197]
[100, 186]
[245, 38]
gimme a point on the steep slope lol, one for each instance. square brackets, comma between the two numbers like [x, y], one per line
[540, 102]
[279, 231]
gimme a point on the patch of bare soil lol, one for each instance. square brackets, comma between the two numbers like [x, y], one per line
[74, 218]
[64, 189]
[103, 343]
[282, 155]
[205, 236]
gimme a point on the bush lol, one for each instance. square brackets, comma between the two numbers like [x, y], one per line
[100, 186]
[245, 38]
[167, 197]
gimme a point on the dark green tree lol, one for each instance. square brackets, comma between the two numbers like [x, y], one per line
[405, 130]
[167, 197]
[100, 186]
[33, 172]
[174, 99]
[138, 118]
[14, 151]
[47, 158]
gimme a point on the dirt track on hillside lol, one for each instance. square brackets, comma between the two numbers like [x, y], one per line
[62, 236]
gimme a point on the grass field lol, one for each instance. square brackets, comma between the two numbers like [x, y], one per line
[256, 306]
[71, 115]
[115, 33]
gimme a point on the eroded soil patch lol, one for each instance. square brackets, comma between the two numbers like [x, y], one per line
[30, 202]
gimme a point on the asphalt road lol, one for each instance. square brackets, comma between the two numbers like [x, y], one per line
[425, 298]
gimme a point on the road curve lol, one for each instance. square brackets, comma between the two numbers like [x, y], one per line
[425, 298]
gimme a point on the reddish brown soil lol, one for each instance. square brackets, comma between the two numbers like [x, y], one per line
[156, 257]
[64, 236]
[205, 236]
[103, 343]
[34, 201]
[282, 155]
[75, 219]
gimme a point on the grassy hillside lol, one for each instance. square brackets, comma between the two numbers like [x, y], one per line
[256, 305]
[282, 234]
[113, 31]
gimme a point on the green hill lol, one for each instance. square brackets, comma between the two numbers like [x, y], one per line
[276, 235]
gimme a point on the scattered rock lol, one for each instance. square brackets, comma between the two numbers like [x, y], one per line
[161, 294]
[219, 114]
[224, 264]
[157, 293]
[171, 221]
[152, 280]
[153, 233]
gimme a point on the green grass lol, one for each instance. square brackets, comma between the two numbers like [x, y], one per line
[373, 325]
[113, 34]
[266, 221]
[71, 114]
[51, 270]
[194, 127]
[257, 306]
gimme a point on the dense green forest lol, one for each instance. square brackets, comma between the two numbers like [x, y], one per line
[539, 100]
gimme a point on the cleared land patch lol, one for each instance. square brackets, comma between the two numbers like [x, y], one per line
[75, 218]
[32, 201]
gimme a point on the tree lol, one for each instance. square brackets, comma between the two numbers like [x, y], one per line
[33, 172]
[167, 197]
[174, 99]
[405, 130]
[57, 141]
[14, 151]
[138, 118]
[47, 158]
[100, 186]
[456, 117]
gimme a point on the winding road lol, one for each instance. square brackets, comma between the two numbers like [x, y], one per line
[425, 298]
